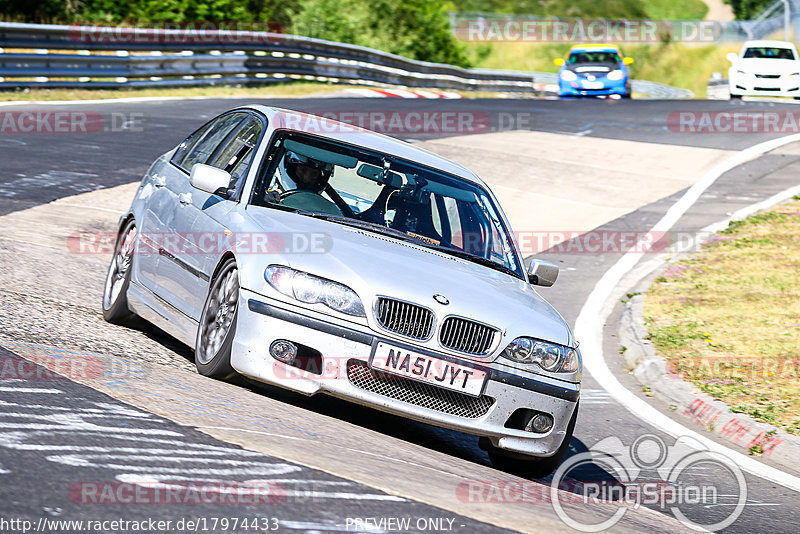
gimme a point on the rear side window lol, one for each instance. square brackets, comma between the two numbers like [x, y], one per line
[242, 143]
[207, 141]
[236, 155]
[188, 143]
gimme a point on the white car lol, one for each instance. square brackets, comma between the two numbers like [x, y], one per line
[765, 68]
[342, 262]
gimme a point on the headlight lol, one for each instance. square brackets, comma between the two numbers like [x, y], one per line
[568, 76]
[615, 75]
[549, 356]
[313, 289]
[740, 72]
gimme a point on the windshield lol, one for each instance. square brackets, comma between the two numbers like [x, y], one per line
[384, 194]
[768, 52]
[593, 57]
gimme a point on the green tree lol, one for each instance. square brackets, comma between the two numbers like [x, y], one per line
[419, 29]
[748, 9]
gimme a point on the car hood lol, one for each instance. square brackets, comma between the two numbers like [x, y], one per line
[767, 66]
[377, 265]
[593, 67]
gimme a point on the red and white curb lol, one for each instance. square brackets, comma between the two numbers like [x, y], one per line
[402, 93]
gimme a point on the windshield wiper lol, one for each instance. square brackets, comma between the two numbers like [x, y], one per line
[358, 223]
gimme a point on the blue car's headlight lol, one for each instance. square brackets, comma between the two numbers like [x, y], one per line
[568, 76]
[616, 75]
[313, 289]
[549, 356]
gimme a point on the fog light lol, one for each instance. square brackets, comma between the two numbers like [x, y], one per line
[282, 350]
[539, 423]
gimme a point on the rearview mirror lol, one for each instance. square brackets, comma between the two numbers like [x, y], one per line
[732, 56]
[209, 179]
[558, 62]
[375, 173]
[542, 273]
[628, 60]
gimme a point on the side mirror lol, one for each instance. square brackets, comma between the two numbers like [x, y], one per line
[542, 273]
[732, 57]
[628, 60]
[558, 62]
[209, 179]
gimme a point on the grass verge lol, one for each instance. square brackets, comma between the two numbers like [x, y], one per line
[727, 318]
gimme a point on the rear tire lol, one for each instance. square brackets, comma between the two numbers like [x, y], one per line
[530, 466]
[218, 324]
[118, 279]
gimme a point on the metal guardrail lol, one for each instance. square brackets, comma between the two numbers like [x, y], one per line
[187, 57]
[96, 56]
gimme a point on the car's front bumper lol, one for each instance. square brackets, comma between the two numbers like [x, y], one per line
[584, 88]
[746, 85]
[262, 321]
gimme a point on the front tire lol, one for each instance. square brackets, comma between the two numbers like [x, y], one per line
[533, 467]
[218, 324]
[115, 292]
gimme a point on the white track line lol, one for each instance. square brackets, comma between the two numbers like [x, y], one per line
[29, 390]
[589, 325]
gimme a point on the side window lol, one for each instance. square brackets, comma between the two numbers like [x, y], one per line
[236, 155]
[239, 172]
[204, 148]
[240, 146]
[188, 143]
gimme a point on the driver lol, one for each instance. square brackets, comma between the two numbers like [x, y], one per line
[304, 179]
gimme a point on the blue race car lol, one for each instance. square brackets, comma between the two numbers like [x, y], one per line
[594, 70]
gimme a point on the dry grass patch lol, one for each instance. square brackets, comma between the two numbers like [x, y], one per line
[727, 318]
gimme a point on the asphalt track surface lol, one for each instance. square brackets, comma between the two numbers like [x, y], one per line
[38, 168]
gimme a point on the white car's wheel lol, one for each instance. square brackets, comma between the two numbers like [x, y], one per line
[218, 324]
[115, 292]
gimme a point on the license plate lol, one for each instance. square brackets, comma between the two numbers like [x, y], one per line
[593, 85]
[434, 371]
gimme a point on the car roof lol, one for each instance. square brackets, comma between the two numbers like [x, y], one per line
[354, 135]
[764, 42]
[596, 48]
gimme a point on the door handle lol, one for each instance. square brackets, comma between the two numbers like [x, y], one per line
[185, 198]
[159, 181]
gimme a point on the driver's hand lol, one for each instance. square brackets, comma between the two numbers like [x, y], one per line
[273, 196]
